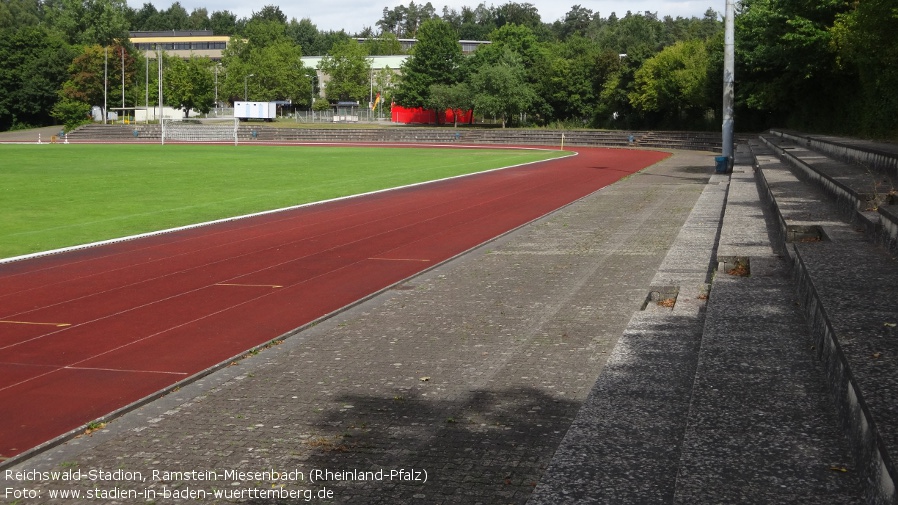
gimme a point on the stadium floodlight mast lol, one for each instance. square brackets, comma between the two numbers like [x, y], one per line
[245, 79]
[729, 64]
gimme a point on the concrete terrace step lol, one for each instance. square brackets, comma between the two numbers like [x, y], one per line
[762, 427]
[710, 141]
[717, 404]
[864, 188]
[153, 132]
[698, 141]
[625, 444]
[876, 155]
[846, 289]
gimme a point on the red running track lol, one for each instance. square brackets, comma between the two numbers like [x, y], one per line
[88, 332]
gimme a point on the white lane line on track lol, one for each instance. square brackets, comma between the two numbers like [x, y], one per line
[36, 323]
[400, 259]
[274, 286]
[122, 370]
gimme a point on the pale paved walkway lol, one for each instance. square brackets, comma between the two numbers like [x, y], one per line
[32, 135]
[471, 372]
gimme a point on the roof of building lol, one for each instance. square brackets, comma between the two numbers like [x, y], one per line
[377, 62]
[171, 33]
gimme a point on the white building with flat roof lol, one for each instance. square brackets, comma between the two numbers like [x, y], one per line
[183, 43]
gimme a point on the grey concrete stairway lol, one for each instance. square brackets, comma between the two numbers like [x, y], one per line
[846, 286]
[762, 427]
[781, 388]
[700, 141]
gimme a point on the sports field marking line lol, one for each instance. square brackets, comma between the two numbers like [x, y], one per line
[400, 259]
[57, 368]
[275, 286]
[58, 325]
[186, 323]
[122, 370]
[263, 213]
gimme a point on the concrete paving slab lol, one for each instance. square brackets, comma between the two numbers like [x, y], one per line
[624, 446]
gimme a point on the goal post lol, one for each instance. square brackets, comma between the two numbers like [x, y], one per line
[208, 130]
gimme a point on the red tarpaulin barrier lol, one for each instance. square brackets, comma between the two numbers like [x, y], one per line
[407, 115]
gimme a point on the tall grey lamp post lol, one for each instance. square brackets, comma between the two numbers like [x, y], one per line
[729, 64]
[245, 99]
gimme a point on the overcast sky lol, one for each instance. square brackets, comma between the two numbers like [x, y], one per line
[354, 15]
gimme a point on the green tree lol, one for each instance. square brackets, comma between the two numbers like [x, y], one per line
[329, 39]
[391, 20]
[223, 23]
[385, 45]
[866, 41]
[199, 19]
[501, 90]
[145, 18]
[609, 85]
[534, 56]
[674, 85]
[568, 86]
[176, 17]
[276, 70]
[787, 70]
[86, 75]
[190, 84]
[100, 22]
[636, 35]
[455, 97]
[523, 14]
[349, 70]
[576, 22]
[19, 13]
[416, 15]
[435, 59]
[262, 32]
[521, 40]
[35, 64]
[383, 84]
[71, 113]
[471, 23]
[306, 35]
[270, 13]
[404, 21]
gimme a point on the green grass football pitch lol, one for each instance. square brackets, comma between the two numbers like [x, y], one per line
[54, 196]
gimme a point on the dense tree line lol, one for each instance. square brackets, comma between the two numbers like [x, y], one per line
[829, 65]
